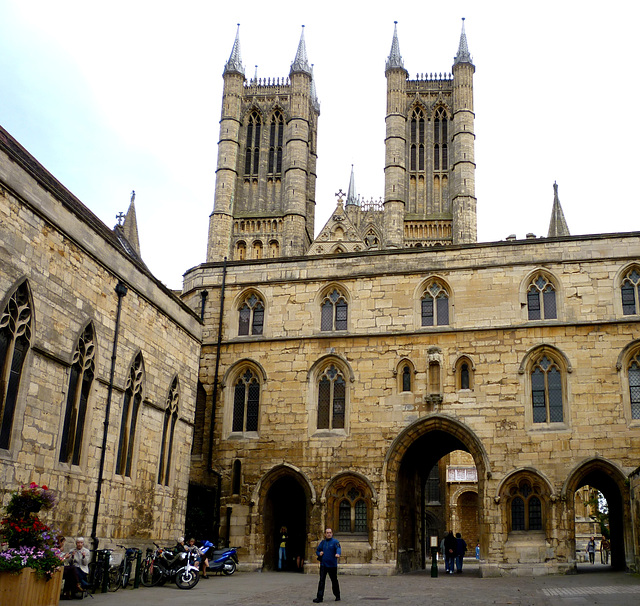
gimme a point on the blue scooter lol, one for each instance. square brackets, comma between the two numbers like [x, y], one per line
[220, 560]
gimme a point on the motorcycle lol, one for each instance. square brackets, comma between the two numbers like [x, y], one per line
[162, 565]
[220, 560]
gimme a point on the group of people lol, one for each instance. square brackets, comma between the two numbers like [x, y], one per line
[452, 548]
[605, 550]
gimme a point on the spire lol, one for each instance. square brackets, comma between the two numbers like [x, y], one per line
[351, 195]
[301, 63]
[557, 225]
[395, 58]
[314, 94]
[234, 65]
[463, 55]
[130, 226]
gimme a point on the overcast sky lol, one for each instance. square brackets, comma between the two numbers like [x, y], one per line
[123, 95]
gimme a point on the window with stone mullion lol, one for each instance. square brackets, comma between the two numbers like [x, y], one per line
[634, 387]
[630, 291]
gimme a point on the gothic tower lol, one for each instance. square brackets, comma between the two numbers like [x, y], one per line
[429, 159]
[266, 174]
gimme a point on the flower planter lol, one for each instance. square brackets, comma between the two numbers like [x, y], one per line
[27, 589]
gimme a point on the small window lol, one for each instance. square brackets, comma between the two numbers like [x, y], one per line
[236, 477]
[541, 299]
[546, 391]
[334, 312]
[630, 291]
[251, 316]
[435, 305]
[406, 378]
[246, 403]
[634, 386]
[464, 373]
[331, 399]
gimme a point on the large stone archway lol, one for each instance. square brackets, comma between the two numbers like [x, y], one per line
[408, 460]
[610, 481]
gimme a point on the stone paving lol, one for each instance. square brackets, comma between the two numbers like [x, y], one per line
[593, 585]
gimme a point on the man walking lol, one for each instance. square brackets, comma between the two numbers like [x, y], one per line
[328, 552]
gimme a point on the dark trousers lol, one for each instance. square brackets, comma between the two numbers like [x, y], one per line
[333, 575]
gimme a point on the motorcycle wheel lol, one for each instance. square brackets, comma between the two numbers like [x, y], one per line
[229, 567]
[151, 574]
[187, 578]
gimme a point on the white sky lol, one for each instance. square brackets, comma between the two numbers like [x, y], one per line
[121, 95]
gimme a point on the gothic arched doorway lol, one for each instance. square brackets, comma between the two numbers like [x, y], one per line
[285, 504]
[409, 462]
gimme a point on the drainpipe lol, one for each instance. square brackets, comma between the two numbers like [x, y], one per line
[121, 291]
[215, 378]
[204, 294]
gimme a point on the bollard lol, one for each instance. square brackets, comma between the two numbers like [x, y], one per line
[105, 570]
[434, 562]
[136, 579]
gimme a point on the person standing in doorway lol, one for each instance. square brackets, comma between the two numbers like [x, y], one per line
[450, 547]
[328, 552]
[591, 550]
[461, 549]
[605, 550]
[283, 537]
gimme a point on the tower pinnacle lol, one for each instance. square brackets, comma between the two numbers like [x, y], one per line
[558, 225]
[234, 64]
[463, 55]
[395, 58]
[301, 63]
[352, 198]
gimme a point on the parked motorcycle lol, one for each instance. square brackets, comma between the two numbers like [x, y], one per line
[162, 565]
[220, 560]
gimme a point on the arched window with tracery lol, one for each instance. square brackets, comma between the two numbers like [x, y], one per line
[129, 420]
[168, 431]
[252, 151]
[80, 382]
[276, 137]
[251, 316]
[435, 305]
[246, 402]
[630, 291]
[15, 340]
[417, 140]
[633, 373]
[525, 506]
[331, 399]
[440, 140]
[541, 299]
[334, 311]
[546, 391]
[349, 506]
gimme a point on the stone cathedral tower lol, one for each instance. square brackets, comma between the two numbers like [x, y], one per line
[429, 193]
[266, 174]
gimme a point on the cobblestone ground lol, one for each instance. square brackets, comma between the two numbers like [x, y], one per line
[595, 585]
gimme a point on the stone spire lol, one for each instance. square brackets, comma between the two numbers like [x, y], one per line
[301, 63]
[463, 55]
[395, 58]
[557, 225]
[352, 198]
[314, 94]
[235, 60]
[130, 226]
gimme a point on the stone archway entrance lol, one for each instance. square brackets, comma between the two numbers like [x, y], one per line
[408, 463]
[606, 478]
[285, 504]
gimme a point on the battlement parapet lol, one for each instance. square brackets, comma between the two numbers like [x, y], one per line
[258, 86]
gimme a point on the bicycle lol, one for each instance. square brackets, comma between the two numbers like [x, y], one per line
[126, 565]
[96, 573]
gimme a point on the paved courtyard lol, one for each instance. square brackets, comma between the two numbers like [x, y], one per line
[592, 585]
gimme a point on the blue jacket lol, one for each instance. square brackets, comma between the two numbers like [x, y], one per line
[329, 547]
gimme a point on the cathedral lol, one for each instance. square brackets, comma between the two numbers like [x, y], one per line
[393, 376]
[390, 377]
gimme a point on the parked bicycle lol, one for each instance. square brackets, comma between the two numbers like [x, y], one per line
[122, 576]
[97, 581]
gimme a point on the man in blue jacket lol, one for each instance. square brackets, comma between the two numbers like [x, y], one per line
[328, 552]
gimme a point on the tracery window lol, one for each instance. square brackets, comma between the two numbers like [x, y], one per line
[251, 316]
[15, 340]
[128, 423]
[541, 299]
[630, 291]
[435, 305]
[331, 399]
[546, 391]
[276, 136]
[634, 385]
[334, 312]
[252, 152]
[526, 507]
[246, 402]
[168, 430]
[417, 140]
[352, 512]
[440, 139]
[80, 382]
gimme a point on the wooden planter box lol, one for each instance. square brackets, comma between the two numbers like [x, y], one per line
[26, 589]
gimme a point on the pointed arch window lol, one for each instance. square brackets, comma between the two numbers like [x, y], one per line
[251, 316]
[526, 508]
[435, 305]
[352, 512]
[630, 291]
[334, 312]
[541, 299]
[276, 138]
[252, 152]
[440, 140]
[168, 431]
[331, 399]
[633, 372]
[464, 373]
[128, 424]
[432, 488]
[15, 340]
[246, 403]
[406, 378]
[546, 391]
[80, 382]
[417, 140]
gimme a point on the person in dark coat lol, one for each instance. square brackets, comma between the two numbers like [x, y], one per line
[328, 552]
[461, 548]
[450, 548]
